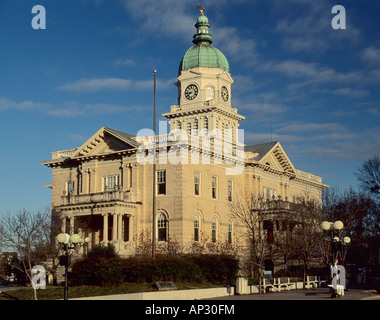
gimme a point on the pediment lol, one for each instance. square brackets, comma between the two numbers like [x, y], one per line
[106, 140]
[278, 160]
[270, 156]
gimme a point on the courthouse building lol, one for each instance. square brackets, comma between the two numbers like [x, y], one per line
[103, 189]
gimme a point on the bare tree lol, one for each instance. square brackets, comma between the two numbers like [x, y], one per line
[248, 211]
[360, 215]
[369, 175]
[307, 235]
[29, 235]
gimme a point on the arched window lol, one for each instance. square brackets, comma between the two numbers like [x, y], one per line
[214, 229]
[230, 230]
[162, 225]
[196, 228]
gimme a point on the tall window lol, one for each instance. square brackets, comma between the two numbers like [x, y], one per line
[161, 182]
[213, 229]
[230, 228]
[161, 227]
[110, 182]
[70, 187]
[196, 228]
[214, 187]
[269, 193]
[229, 190]
[197, 183]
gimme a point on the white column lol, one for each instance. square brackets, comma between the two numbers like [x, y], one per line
[119, 227]
[72, 224]
[130, 223]
[114, 228]
[105, 227]
[63, 224]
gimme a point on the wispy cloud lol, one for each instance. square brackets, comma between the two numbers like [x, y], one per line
[322, 141]
[65, 109]
[124, 63]
[113, 84]
[156, 19]
[313, 73]
[93, 85]
[309, 30]
[371, 55]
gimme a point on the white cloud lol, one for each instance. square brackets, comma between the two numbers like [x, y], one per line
[92, 85]
[124, 63]
[6, 104]
[177, 18]
[113, 84]
[309, 30]
[371, 55]
[65, 109]
[312, 72]
[349, 92]
[307, 127]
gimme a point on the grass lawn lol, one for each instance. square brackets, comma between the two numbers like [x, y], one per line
[56, 292]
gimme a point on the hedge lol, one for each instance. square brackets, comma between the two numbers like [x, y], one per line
[103, 270]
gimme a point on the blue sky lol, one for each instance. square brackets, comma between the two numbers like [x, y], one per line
[314, 88]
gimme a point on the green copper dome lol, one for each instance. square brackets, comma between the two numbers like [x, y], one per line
[203, 54]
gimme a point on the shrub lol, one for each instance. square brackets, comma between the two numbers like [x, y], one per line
[217, 267]
[102, 268]
[100, 250]
[99, 271]
[162, 268]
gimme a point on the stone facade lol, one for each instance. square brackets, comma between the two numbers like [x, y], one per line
[104, 191]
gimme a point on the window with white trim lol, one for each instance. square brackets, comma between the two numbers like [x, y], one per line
[229, 190]
[162, 225]
[214, 229]
[197, 183]
[161, 182]
[214, 187]
[110, 182]
[230, 230]
[269, 193]
[70, 187]
[196, 228]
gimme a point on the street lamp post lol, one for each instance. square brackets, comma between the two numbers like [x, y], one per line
[338, 242]
[67, 242]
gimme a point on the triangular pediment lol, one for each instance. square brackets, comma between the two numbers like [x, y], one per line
[271, 156]
[106, 140]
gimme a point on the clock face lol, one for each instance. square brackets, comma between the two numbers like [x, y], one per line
[224, 92]
[191, 92]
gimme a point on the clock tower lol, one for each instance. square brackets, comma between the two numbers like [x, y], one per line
[204, 87]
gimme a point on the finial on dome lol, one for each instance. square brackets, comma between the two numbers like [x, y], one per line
[201, 10]
[202, 25]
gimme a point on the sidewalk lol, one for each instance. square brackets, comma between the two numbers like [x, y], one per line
[309, 294]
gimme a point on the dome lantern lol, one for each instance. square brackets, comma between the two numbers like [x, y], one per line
[203, 54]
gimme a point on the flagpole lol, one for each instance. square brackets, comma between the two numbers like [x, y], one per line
[154, 170]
